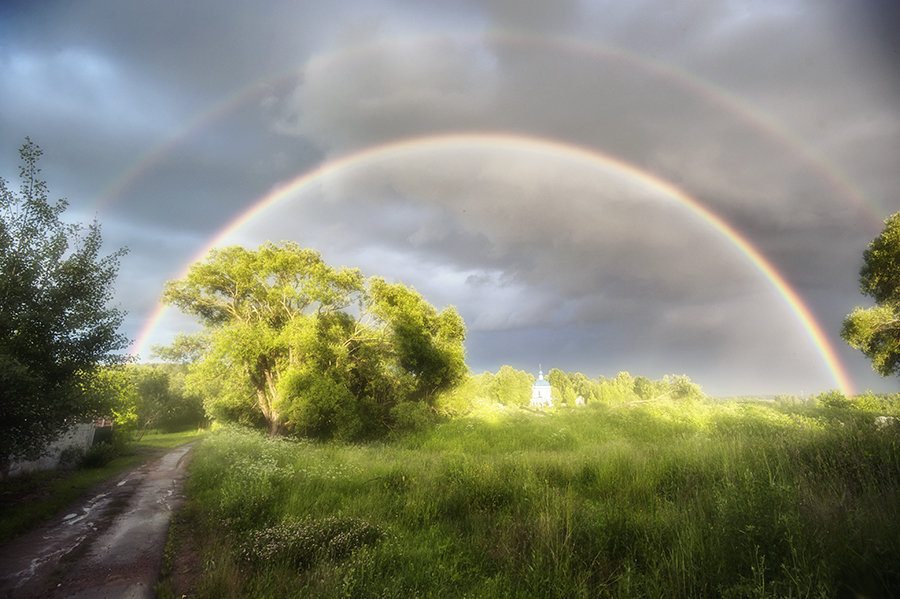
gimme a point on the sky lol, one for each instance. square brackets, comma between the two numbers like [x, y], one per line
[597, 186]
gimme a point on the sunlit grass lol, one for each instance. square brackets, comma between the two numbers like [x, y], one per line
[644, 500]
[169, 440]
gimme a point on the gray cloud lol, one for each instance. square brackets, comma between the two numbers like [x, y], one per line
[779, 117]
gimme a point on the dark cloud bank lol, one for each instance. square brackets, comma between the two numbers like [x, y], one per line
[779, 117]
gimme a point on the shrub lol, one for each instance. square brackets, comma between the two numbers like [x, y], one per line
[99, 455]
[70, 457]
[832, 399]
[411, 416]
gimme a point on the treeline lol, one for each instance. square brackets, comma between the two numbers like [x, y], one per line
[511, 387]
[144, 397]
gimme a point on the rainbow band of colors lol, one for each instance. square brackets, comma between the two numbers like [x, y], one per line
[500, 141]
[717, 97]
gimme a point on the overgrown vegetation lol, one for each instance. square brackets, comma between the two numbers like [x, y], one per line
[660, 498]
[875, 331]
[511, 387]
[156, 396]
[57, 329]
[312, 350]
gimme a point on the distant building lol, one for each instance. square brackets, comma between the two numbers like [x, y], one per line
[540, 392]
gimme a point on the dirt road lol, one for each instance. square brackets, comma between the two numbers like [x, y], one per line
[109, 546]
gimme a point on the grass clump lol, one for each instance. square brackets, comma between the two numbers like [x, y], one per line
[655, 499]
[303, 543]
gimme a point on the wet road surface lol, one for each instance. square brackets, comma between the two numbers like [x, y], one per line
[108, 546]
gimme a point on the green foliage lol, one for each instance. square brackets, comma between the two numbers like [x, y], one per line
[879, 277]
[411, 416]
[258, 307]
[832, 399]
[313, 350]
[56, 329]
[876, 331]
[562, 387]
[511, 387]
[425, 347]
[100, 454]
[320, 407]
[459, 401]
[643, 388]
[869, 402]
[633, 500]
[682, 388]
[113, 386]
[163, 399]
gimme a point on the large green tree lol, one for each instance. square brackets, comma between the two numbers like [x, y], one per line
[876, 330]
[56, 326]
[314, 348]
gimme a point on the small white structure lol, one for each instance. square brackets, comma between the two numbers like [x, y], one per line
[540, 392]
[78, 437]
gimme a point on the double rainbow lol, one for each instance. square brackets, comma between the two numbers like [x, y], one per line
[575, 153]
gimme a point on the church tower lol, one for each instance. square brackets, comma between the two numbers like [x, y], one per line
[540, 392]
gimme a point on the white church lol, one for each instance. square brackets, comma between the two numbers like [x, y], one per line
[540, 392]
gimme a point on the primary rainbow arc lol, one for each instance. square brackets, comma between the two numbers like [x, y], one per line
[517, 142]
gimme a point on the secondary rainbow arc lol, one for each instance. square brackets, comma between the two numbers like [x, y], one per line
[660, 70]
[511, 141]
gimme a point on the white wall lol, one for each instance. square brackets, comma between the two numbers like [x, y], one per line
[80, 436]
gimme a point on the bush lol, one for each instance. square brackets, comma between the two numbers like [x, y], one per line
[70, 457]
[99, 455]
[411, 416]
[832, 399]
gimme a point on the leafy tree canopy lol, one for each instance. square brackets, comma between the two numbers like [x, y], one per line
[876, 331]
[511, 387]
[312, 348]
[56, 328]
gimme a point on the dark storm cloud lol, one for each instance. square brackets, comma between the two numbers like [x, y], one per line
[781, 117]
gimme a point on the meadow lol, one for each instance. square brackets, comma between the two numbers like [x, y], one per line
[654, 499]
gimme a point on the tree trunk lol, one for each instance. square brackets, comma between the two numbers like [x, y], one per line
[262, 380]
[268, 412]
[271, 393]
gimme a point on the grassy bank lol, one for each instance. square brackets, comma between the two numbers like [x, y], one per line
[29, 500]
[661, 499]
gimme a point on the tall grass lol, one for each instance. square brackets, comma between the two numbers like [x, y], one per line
[702, 500]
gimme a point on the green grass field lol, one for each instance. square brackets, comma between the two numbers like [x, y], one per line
[646, 500]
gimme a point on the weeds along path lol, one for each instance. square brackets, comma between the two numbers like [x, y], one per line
[110, 545]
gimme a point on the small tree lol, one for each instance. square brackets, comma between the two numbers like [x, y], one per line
[876, 331]
[56, 329]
